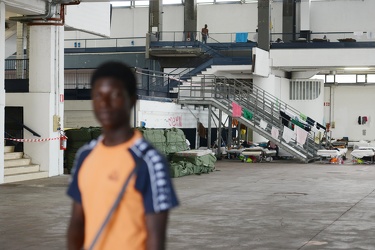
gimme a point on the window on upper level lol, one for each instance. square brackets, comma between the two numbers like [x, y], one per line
[205, 1]
[121, 4]
[141, 3]
[227, 1]
[172, 2]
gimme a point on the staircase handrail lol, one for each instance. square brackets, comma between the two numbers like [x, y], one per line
[210, 49]
[265, 93]
[25, 127]
[260, 95]
[220, 97]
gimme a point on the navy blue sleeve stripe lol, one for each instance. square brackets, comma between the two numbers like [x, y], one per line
[73, 189]
[155, 184]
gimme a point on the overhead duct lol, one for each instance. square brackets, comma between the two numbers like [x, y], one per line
[51, 10]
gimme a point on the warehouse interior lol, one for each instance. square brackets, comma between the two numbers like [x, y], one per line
[267, 122]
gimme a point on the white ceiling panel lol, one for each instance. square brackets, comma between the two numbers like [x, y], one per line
[25, 7]
[94, 18]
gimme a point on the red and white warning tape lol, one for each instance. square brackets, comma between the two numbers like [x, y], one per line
[33, 140]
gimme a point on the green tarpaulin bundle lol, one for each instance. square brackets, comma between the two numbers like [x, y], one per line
[95, 132]
[179, 169]
[156, 137]
[174, 135]
[174, 147]
[76, 139]
[176, 140]
[81, 134]
[202, 164]
[205, 160]
[160, 146]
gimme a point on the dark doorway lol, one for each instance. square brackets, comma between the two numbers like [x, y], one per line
[13, 127]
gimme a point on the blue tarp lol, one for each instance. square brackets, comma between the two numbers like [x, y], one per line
[241, 37]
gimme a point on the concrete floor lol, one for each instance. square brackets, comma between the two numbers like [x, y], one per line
[276, 205]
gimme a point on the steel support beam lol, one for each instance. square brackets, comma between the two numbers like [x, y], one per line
[2, 90]
[230, 135]
[264, 10]
[190, 20]
[209, 126]
[289, 20]
[155, 18]
[219, 139]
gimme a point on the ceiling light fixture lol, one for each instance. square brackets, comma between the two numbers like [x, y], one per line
[356, 68]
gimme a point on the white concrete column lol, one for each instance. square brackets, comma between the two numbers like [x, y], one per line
[2, 90]
[45, 97]
[305, 7]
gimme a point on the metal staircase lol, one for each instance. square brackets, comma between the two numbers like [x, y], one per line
[220, 92]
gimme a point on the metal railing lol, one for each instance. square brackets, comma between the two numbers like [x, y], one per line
[169, 36]
[149, 83]
[322, 37]
[183, 36]
[214, 38]
[24, 126]
[221, 91]
[77, 78]
[104, 42]
[17, 69]
[153, 83]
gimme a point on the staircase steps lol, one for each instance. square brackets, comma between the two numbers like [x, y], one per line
[8, 149]
[17, 162]
[19, 168]
[24, 177]
[220, 92]
[13, 155]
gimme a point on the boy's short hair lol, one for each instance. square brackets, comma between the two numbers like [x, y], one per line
[119, 71]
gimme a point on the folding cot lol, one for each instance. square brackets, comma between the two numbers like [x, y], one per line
[259, 153]
[363, 155]
[336, 155]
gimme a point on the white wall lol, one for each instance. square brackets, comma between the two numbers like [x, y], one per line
[349, 102]
[155, 114]
[261, 64]
[79, 114]
[270, 84]
[127, 22]
[221, 18]
[279, 87]
[330, 16]
[34, 112]
[312, 108]
[165, 115]
[296, 58]
[173, 18]
[326, 16]
[10, 45]
[89, 17]
[228, 18]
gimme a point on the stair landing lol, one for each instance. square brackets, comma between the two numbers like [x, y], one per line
[19, 168]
